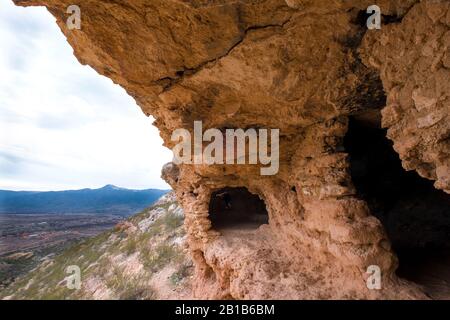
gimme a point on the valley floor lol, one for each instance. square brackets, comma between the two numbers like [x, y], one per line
[27, 239]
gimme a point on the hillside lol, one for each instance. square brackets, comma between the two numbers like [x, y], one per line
[141, 258]
[109, 199]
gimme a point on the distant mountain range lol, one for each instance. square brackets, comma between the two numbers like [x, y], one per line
[109, 199]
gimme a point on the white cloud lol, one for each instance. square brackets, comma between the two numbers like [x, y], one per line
[63, 126]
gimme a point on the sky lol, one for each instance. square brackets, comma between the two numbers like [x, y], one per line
[62, 125]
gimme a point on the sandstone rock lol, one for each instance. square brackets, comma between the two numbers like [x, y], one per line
[170, 173]
[295, 65]
[420, 79]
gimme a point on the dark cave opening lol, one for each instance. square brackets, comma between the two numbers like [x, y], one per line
[416, 216]
[236, 208]
[362, 16]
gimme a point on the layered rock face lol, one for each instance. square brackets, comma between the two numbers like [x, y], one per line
[304, 67]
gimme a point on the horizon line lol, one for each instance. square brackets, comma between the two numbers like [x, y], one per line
[87, 188]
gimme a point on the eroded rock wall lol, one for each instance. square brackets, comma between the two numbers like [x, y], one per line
[303, 67]
[413, 58]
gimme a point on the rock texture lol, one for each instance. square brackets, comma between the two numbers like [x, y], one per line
[305, 67]
[413, 58]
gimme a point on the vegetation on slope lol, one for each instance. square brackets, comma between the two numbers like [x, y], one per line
[141, 258]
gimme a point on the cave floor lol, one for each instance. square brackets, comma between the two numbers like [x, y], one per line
[429, 269]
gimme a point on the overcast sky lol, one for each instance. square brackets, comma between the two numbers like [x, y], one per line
[63, 126]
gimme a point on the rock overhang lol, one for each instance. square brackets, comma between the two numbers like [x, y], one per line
[302, 67]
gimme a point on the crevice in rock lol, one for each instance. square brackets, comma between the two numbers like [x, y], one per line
[416, 216]
[168, 82]
[236, 208]
[368, 93]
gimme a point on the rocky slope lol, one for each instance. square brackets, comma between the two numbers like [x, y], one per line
[142, 258]
[307, 68]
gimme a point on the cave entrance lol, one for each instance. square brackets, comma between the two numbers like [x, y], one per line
[415, 215]
[236, 208]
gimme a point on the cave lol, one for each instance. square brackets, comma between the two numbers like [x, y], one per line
[236, 208]
[415, 215]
